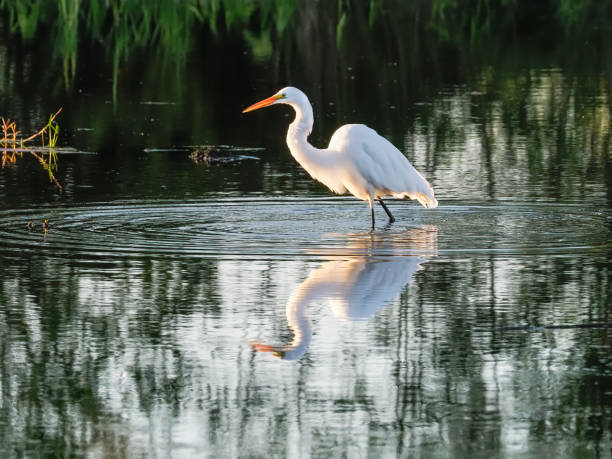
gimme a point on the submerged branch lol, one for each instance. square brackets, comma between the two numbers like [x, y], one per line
[44, 129]
[14, 146]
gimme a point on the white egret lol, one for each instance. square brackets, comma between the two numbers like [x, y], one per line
[357, 159]
[356, 289]
[357, 286]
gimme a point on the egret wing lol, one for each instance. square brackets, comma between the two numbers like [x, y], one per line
[382, 165]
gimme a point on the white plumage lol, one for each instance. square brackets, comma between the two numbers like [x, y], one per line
[357, 286]
[357, 160]
[355, 289]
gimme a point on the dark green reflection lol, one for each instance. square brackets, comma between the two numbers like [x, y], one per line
[519, 102]
[118, 351]
[65, 328]
[107, 351]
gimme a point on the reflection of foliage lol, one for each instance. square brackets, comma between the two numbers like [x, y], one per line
[480, 20]
[60, 373]
[531, 134]
[160, 338]
[387, 78]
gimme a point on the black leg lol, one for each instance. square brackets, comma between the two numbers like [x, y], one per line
[391, 217]
[372, 210]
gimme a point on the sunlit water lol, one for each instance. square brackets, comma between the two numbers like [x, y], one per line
[174, 309]
[282, 227]
[140, 327]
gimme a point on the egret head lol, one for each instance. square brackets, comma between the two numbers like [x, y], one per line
[288, 95]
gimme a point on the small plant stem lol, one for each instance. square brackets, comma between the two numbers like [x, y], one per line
[42, 131]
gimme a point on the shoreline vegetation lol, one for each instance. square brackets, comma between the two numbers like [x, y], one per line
[14, 145]
[124, 26]
[508, 54]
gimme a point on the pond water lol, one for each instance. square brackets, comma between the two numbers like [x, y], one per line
[174, 308]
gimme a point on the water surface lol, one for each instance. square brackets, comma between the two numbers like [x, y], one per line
[176, 309]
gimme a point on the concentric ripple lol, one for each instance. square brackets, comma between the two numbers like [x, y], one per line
[272, 228]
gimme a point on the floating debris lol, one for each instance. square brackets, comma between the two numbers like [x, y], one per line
[13, 145]
[212, 154]
[165, 150]
[31, 226]
[221, 154]
[56, 150]
[154, 102]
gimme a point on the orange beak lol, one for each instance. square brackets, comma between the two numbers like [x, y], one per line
[263, 347]
[263, 103]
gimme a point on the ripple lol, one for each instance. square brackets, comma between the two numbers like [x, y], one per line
[285, 227]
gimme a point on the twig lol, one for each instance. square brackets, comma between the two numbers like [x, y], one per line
[45, 128]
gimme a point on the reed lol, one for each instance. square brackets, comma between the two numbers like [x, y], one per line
[124, 26]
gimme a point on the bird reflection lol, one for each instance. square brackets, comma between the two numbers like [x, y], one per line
[374, 272]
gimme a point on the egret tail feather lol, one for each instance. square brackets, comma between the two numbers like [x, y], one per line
[426, 200]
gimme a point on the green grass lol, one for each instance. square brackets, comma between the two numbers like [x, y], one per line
[170, 26]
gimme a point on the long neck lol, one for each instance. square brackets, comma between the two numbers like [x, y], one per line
[297, 137]
[299, 323]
